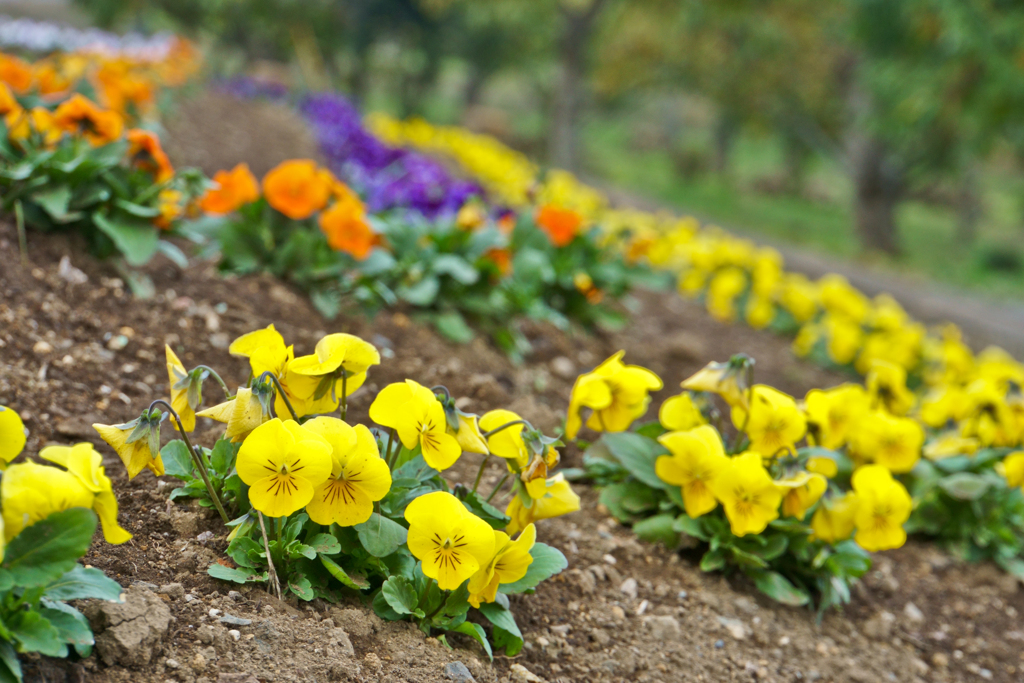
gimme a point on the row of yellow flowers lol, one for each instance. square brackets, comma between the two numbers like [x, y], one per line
[971, 400]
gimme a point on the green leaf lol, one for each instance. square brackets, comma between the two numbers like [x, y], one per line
[54, 201]
[300, 586]
[381, 536]
[222, 457]
[512, 643]
[400, 595]
[35, 634]
[383, 610]
[485, 511]
[137, 210]
[690, 526]
[547, 562]
[10, 667]
[774, 548]
[422, 293]
[778, 588]
[501, 617]
[137, 240]
[637, 454]
[453, 326]
[476, 632]
[173, 254]
[324, 544]
[457, 268]
[965, 486]
[713, 560]
[356, 582]
[81, 583]
[177, 461]
[50, 548]
[658, 529]
[69, 622]
[239, 575]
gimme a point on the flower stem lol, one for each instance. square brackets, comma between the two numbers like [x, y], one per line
[221, 382]
[505, 426]
[498, 487]
[272, 573]
[480, 472]
[19, 216]
[344, 394]
[280, 392]
[392, 454]
[200, 465]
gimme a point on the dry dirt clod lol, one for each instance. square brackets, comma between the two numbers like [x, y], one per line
[130, 633]
[879, 627]
[736, 628]
[663, 627]
[520, 674]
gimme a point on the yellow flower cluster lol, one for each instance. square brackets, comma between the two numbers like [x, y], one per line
[30, 492]
[772, 425]
[966, 401]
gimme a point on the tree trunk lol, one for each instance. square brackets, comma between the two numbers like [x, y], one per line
[968, 207]
[724, 137]
[563, 146]
[878, 189]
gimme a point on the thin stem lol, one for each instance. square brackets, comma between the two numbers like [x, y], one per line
[344, 394]
[280, 392]
[498, 487]
[513, 423]
[480, 472]
[221, 382]
[441, 387]
[270, 561]
[19, 216]
[444, 599]
[423, 599]
[200, 465]
[392, 454]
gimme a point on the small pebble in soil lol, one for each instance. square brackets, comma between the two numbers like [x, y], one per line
[609, 559]
[457, 671]
[214, 612]
[172, 664]
[682, 595]
[629, 588]
[233, 620]
[719, 644]
[235, 634]
[236, 596]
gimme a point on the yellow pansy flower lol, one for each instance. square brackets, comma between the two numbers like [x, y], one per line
[723, 289]
[832, 413]
[728, 380]
[242, 414]
[883, 505]
[840, 298]
[845, 338]
[12, 436]
[697, 460]
[244, 346]
[136, 456]
[616, 393]
[1012, 467]
[335, 356]
[679, 413]
[988, 416]
[283, 463]
[833, 521]
[451, 542]
[359, 477]
[86, 464]
[179, 397]
[558, 499]
[942, 404]
[750, 498]
[892, 442]
[760, 312]
[819, 464]
[508, 443]
[948, 445]
[802, 491]
[887, 386]
[414, 412]
[774, 422]
[508, 564]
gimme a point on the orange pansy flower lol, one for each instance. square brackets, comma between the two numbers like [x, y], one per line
[346, 228]
[296, 188]
[15, 73]
[501, 257]
[235, 188]
[145, 152]
[80, 116]
[560, 225]
[7, 101]
[50, 79]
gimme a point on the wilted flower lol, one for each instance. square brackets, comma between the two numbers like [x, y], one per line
[242, 414]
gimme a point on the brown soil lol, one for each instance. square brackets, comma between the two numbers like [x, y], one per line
[919, 616]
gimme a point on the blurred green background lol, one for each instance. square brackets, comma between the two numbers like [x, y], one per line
[886, 130]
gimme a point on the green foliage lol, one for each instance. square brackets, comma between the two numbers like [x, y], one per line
[92, 190]
[967, 507]
[783, 562]
[447, 275]
[220, 467]
[39, 573]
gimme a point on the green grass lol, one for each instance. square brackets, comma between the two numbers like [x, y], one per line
[824, 223]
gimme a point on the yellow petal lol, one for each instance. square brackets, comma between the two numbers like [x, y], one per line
[264, 452]
[12, 435]
[247, 343]
[105, 505]
[280, 494]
